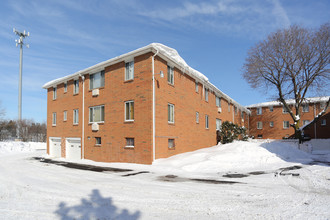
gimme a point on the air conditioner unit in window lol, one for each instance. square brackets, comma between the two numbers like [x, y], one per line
[95, 126]
[95, 92]
[219, 109]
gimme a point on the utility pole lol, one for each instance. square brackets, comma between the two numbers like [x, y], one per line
[20, 42]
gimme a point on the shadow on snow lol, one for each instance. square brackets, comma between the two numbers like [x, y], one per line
[94, 207]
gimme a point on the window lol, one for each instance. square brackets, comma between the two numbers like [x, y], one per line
[228, 107]
[206, 91]
[322, 105]
[242, 115]
[64, 115]
[170, 75]
[285, 110]
[54, 119]
[54, 93]
[259, 111]
[206, 121]
[271, 108]
[259, 125]
[98, 140]
[259, 136]
[323, 122]
[129, 111]
[305, 122]
[76, 86]
[130, 142]
[196, 86]
[171, 144]
[129, 70]
[170, 113]
[96, 80]
[75, 116]
[218, 101]
[286, 124]
[271, 124]
[218, 124]
[197, 117]
[96, 114]
[65, 87]
[305, 108]
[235, 110]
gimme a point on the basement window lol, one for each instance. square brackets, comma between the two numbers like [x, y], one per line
[98, 140]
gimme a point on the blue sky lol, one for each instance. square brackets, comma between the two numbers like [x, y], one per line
[66, 36]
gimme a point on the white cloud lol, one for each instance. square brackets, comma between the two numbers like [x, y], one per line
[280, 14]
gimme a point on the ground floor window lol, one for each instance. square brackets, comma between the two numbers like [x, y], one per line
[96, 114]
[286, 124]
[271, 124]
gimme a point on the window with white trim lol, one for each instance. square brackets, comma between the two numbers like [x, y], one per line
[54, 119]
[271, 124]
[196, 86]
[170, 75]
[305, 108]
[218, 124]
[259, 125]
[286, 124]
[75, 116]
[323, 122]
[65, 114]
[130, 142]
[76, 86]
[217, 101]
[171, 143]
[285, 110]
[305, 122]
[197, 117]
[96, 80]
[98, 141]
[206, 92]
[259, 111]
[65, 87]
[129, 70]
[96, 114]
[129, 111]
[170, 113]
[206, 121]
[54, 93]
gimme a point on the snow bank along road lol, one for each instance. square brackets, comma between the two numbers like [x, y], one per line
[187, 186]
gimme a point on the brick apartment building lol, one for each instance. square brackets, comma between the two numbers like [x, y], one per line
[115, 112]
[271, 120]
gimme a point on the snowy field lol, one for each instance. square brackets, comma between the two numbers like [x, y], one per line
[242, 180]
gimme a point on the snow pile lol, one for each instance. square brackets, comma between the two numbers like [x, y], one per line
[237, 156]
[12, 147]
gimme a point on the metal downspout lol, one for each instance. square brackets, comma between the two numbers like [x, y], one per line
[153, 109]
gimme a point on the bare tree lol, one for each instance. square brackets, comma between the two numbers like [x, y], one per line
[294, 62]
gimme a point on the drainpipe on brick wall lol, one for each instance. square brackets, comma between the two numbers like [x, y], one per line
[153, 109]
[83, 119]
[315, 122]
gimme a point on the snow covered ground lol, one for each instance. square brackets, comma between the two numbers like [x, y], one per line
[242, 180]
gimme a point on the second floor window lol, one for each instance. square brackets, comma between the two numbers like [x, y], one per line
[129, 70]
[206, 121]
[286, 124]
[197, 117]
[96, 80]
[170, 75]
[129, 111]
[75, 116]
[259, 125]
[170, 113]
[96, 114]
[54, 119]
[64, 115]
[76, 86]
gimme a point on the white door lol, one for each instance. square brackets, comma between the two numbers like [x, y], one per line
[73, 148]
[55, 147]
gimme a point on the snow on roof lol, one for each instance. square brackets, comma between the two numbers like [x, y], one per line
[166, 52]
[290, 102]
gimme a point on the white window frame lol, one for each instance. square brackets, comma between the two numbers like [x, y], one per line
[54, 119]
[92, 110]
[259, 111]
[259, 125]
[65, 87]
[271, 124]
[218, 124]
[129, 70]
[54, 93]
[170, 113]
[129, 142]
[305, 107]
[286, 123]
[75, 116]
[65, 115]
[98, 82]
[218, 101]
[129, 108]
[206, 122]
[76, 86]
[170, 75]
[197, 117]
[323, 122]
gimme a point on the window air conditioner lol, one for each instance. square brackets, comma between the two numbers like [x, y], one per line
[95, 92]
[95, 126]
[219, 109]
